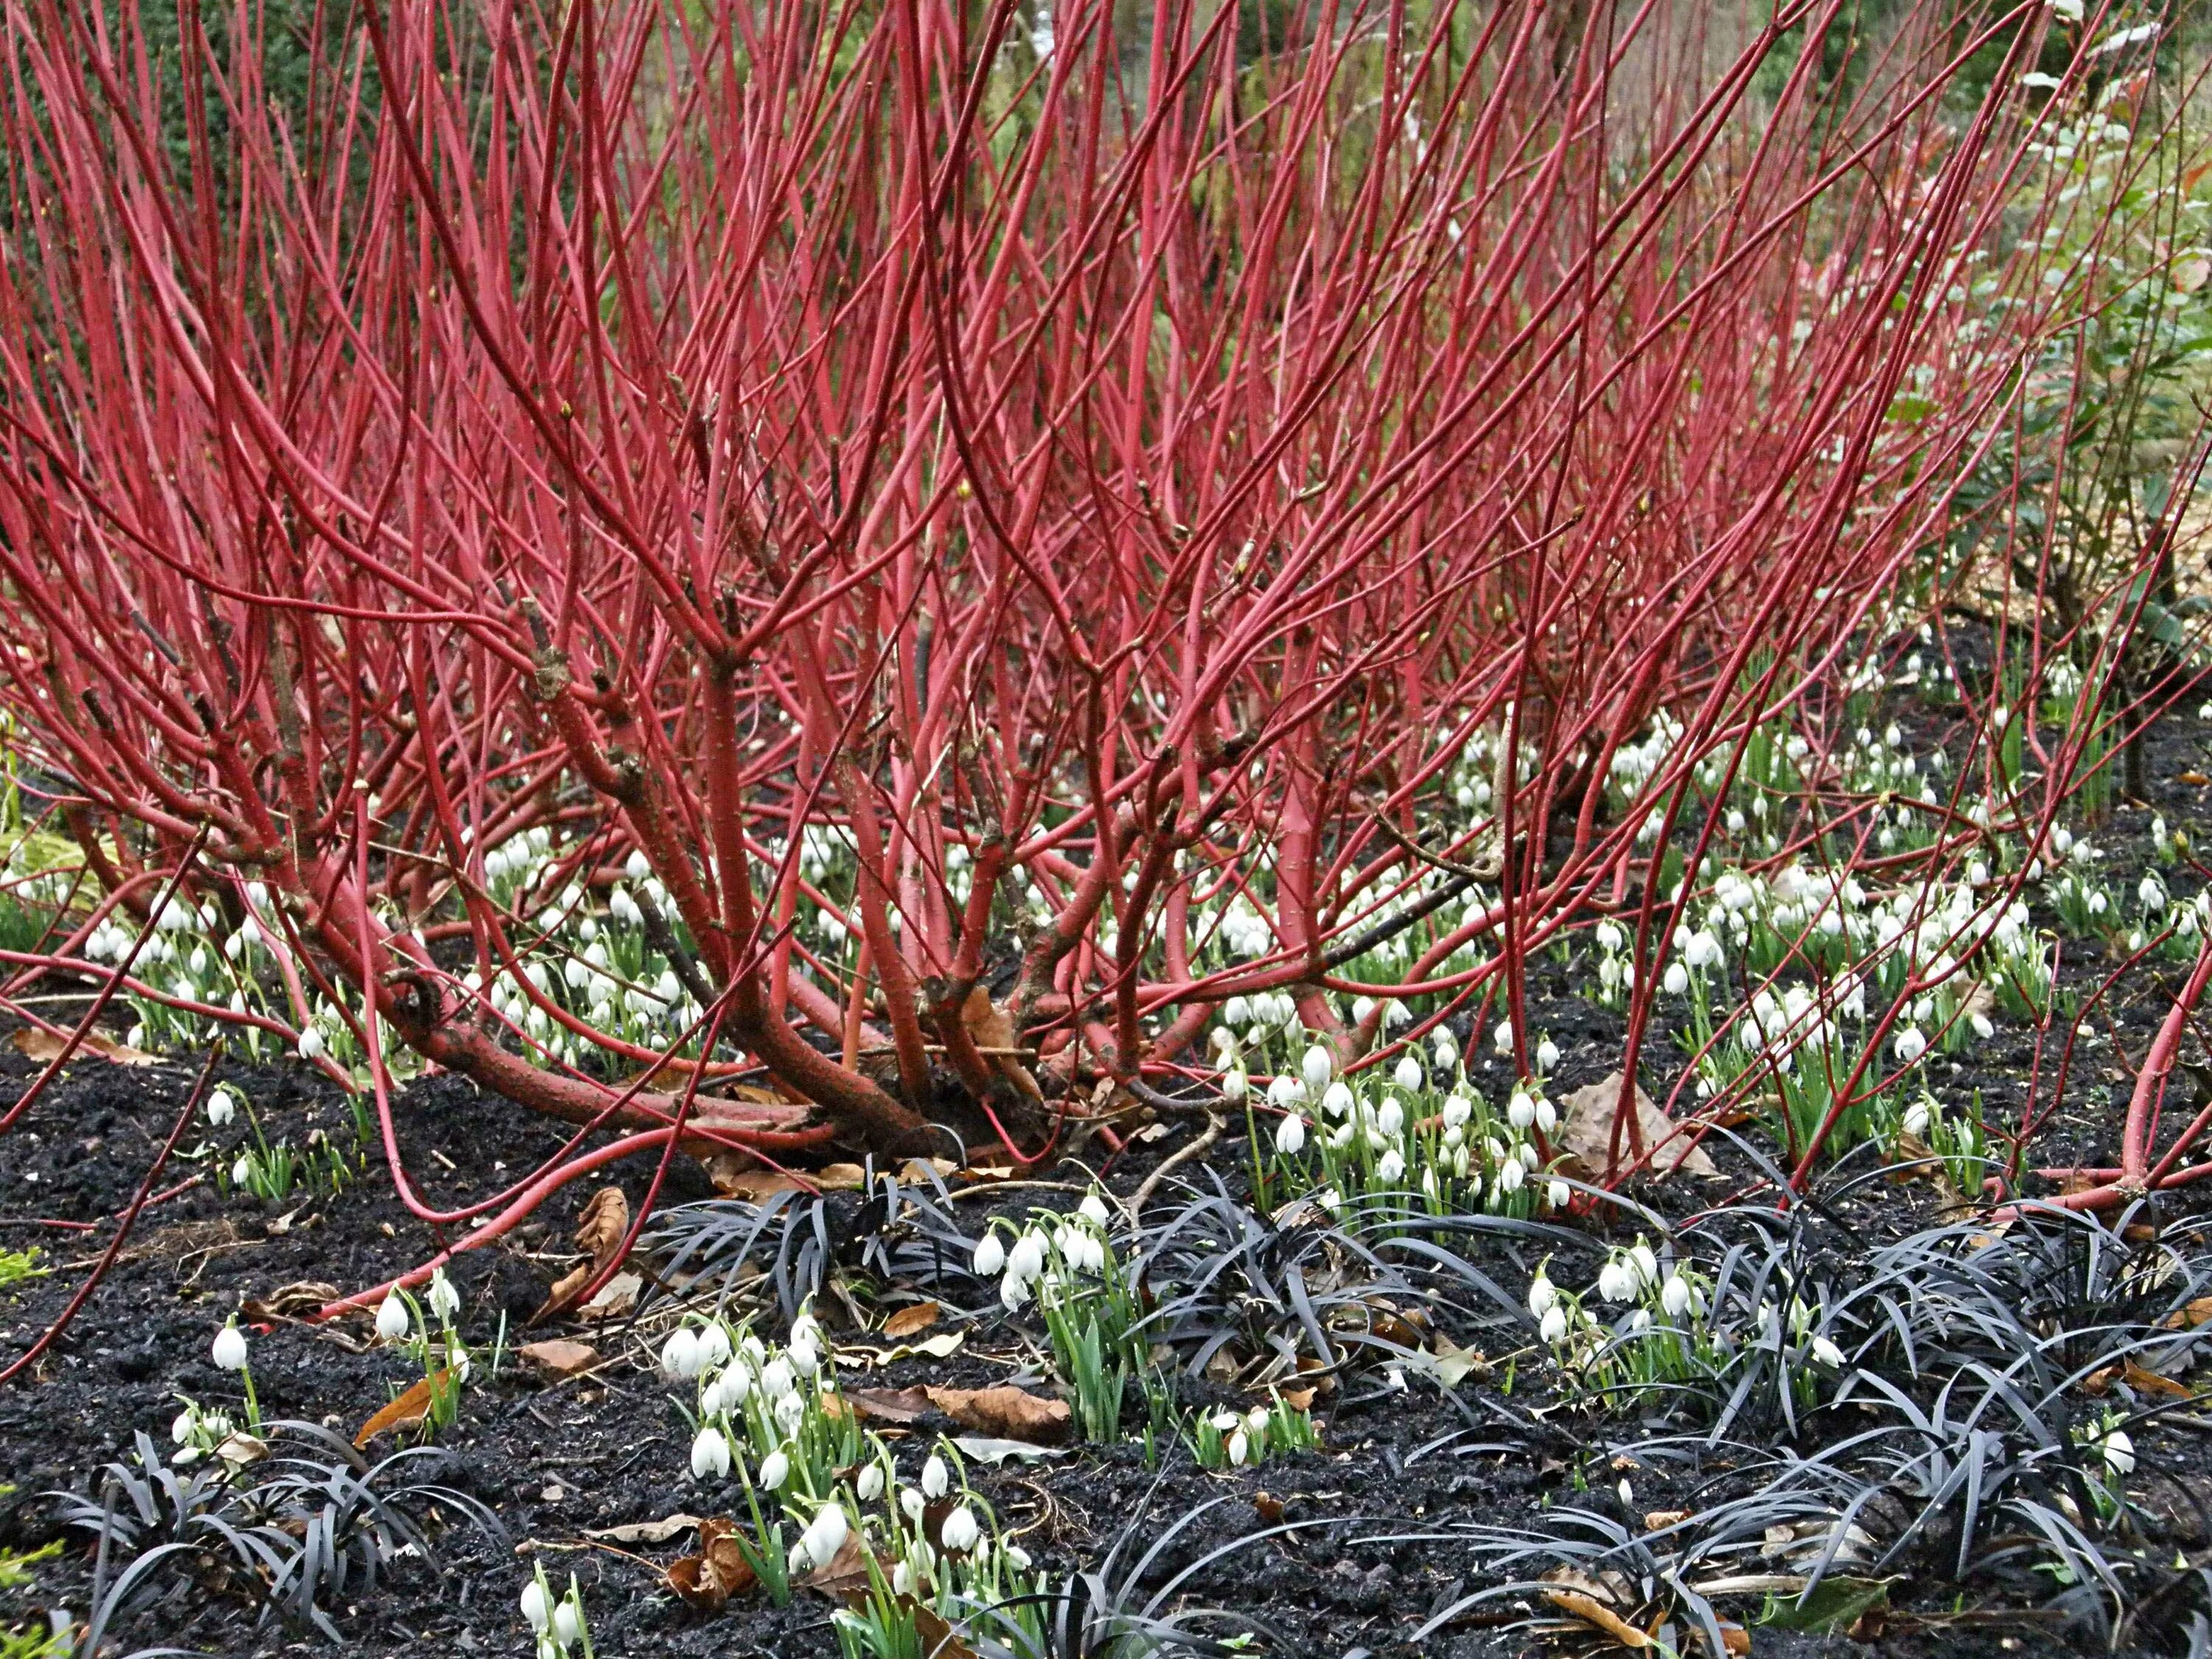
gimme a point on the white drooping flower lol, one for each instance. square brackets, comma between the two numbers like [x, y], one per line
[1502, 1038]
[229, 1351]
[1316, 1067]
[825, 1534]
[1911, 1044]
[990, 1256]
[1511, 1174]
[936, 1480]
[679, 1355]
[392, 1321]
[960, 1531]
[1093, 1209]
[1547, 1056]
[1235, 1086]
[869, 1483]
[1543, 1296]
[1826, 1353]
[1675, 980]
[1026, 1260]
[1390, 1117]
[311, 1043]
[567, 1624]
[1674, 1296]
[1390, 1168]
[1559, 1194]
[1520, 1109]
[710, 1454]
[1290, 1135]
[1646, 1264]
[1616, 1280]
[1338, 1099]
[445, 1301]
[221, 1107]
[1407, 1076]
[1458, 1109]
[536, 1612]
[2119, 1452]
[775, 1469]
[1239, 1445]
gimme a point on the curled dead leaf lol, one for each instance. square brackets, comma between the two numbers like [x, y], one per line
[1006, 1412]
[898, 1406]
[559, 1358]
[405, 1410]
[1593, 1612]
[600, 1232]
[45, 1048]
[915, 1316]
[289, 1301]
[1586, 1131]
[644, 1531]
[708, 1580]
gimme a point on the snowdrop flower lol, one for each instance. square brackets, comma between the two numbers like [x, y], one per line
[1391, 1118]
[869, 1484]
[229, 1350]
[1239, 1445]
[221, 1108]
[2152, 893]
[241, 1173]
[1826, 1353]
[911, 1501]
[959, 1533]
[936, 1480]
[1458, 1109]
[1511, 1174]
[1704, 949]
[392, 1321]
[1547, 1116]
[1675, 980]
[1390, 1168]
[825, 1534]
[1013, 1291]
[1026, 1260]
[1616, 1280]
[903, 1578]
[445, 1301]
[1316, 1067]
[710, 1454]
[775, 1470]
[1645, 1263]
[1553, 1328]
[1407, 1076]
[567, 1624]
[777, 1378]
[1520, 1111]
[1559, 1194]
[1547, 1056]
[1291, 1136]
[311, 1043]
[679, 1355]
[1502, 1038]
[1985, 1027]
[1338, 1098]
[1235, 1086]
[535, 1611]
[1445, 1050]
[2119, 1452]
[1674, 1296]
[990, 1256]
[1910, 1045]
[1093, 1210]
[806, 1358]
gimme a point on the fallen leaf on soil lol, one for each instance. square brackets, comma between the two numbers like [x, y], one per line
[898, 1406]
[1660, 1520]
[2194, 777]
[644, 1531]
[710, 1578]
[1007, 1414]
[989, 1027]
[239, 1448]
[2190, 1316]
[289, 1301]
[1298, 1400]
[616, 1298]
[561, 1358]
[1587, 1131]
[916, 1316]
[1267, 1507]
[404, 1410]
[2149, 1381]
[600, 1232]
[46, 1048]
[984, 1450]
[752, 1184]
[1595, 1613]
[919, 1170]
[1451, 1364]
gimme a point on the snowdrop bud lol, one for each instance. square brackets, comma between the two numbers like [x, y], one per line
[1547, 1056]
[1910, 1045]
[679, 1355]
[1675, 980]
[1543, 1296]
[1645, 1263]
[825, 1534]
[1825, 1353]
[869, 1484]
[1559, 1194]
[775, 1469]
[1317, 1068]
[567, 1624]
[311, 1043]
[229, 1350]
[1511, 1174]
[902, 1579]
[240, 1172]
[182, 1430]
[1407, 1076]
[1520, 1111]
[1235, 1086]
[959, 1533]
[1674, 1296]
[1916, 1120]
[1391, 1118]
[1390, 1168]
[990, 1256]
[391, 1321]
[1458, 1109]
[911, 1501]
[1093, 1209]
[936, 1480]
[1502, 1038]
[221, 1108]
[1553, 1328]
[1547, 1116]
[535, 1613]
[1239, 1445]
[2119, 1452]
[1291, 1136]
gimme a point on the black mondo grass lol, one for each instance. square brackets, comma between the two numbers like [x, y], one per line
[289, 1535]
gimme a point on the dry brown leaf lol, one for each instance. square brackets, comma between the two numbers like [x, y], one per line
[644, 1531]
[914, 1317]
[1298, 1400]
[616, 1299]
[990, 1027]
[898, 1406]
[406, 1410]
[605, 1219]
[2149, 1381]
[718, 1571]
[2193, 776]
[289, 1301]
[45, 1048]
[754, 1184]
[2189, 1317]
[1008, 1413]
[1660, 1520]
[240, 1448]
[840, 1178]
[1592, 1612]
[845, 1574]
[2191, 273]
[559, 1356]
[1586, 1131]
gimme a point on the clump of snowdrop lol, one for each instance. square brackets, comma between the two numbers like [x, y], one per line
[558, 1625]
[1234, 1440]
